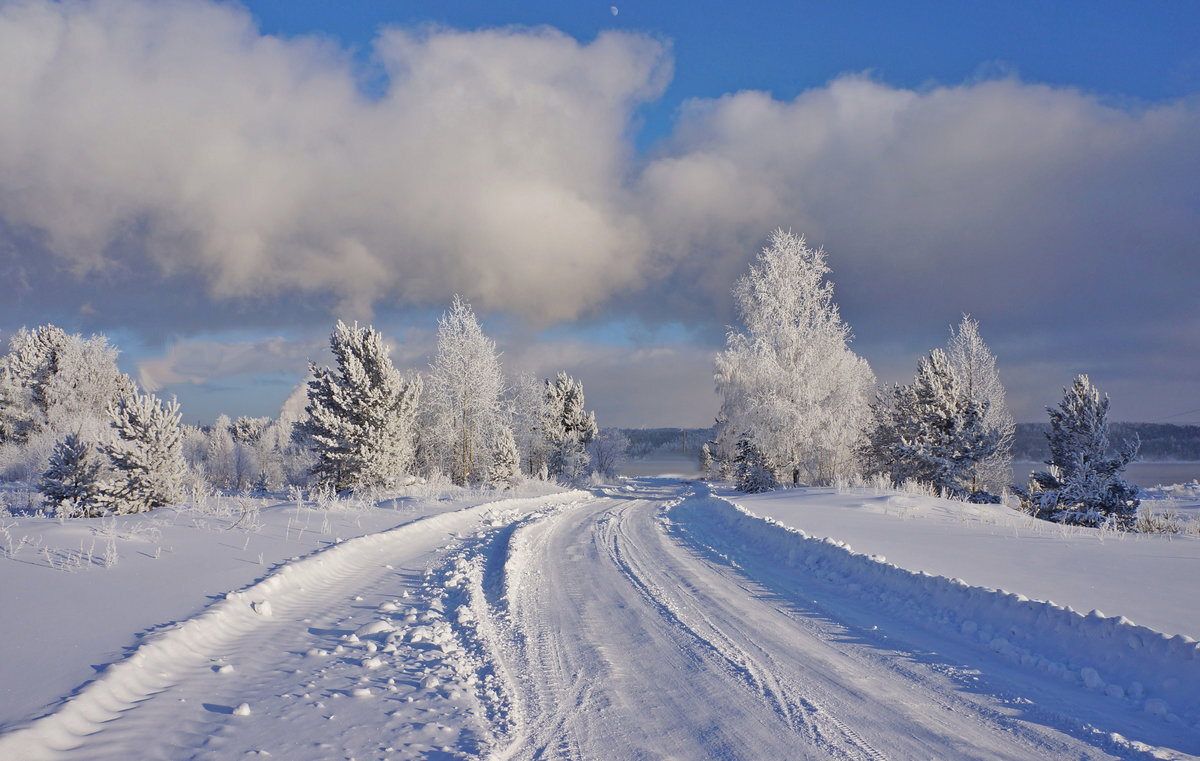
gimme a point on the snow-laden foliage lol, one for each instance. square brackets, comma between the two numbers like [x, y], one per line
[504, 471]
[529, 413]
[76, 481]
[53, 383]
[568, 428]
[931, 431]
[789, 383]
[465, 408]
[975, 367]
[360, 421]
[751, 471]
[146, 454]
[1083, 484]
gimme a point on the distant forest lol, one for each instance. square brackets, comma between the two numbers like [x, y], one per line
[643, 441]
[1160, 441]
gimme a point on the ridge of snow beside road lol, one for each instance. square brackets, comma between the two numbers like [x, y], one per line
[1146, 670]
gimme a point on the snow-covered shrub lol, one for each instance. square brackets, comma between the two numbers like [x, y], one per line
[790, 383]
[1083, 484]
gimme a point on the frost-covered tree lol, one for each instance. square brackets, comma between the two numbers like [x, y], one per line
[930, 431]
[360, 416]
[465, 396]
[504, 470]
[975, 367]
[146, 454]
[50, 379]
[789, 383]
[608, 451]
[76, 481]
[752, 471]
[529, 413]
[706, 460]
[1084, 484]
[568, 427]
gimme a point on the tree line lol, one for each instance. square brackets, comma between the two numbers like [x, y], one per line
[799, 407]
[96, 444]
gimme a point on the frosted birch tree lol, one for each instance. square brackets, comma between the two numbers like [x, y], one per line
[360, 417]
[975, 367]
[465, 396]
[790, 386]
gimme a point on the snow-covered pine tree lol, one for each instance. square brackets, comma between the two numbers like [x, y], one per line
[568, 427]
[789, 383]
[465, 396]
[504, 471]
[752, 472]
[75, 482]
[147, 454]
[975, 367]
[1083, 485]
[931, 431]
[706, 461]
[361, 416]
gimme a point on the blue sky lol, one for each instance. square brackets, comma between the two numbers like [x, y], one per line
[212, 185]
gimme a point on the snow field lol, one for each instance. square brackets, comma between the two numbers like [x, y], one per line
[365, 658]
[1138, 668]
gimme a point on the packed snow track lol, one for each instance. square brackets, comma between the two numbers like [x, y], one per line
[620, 624]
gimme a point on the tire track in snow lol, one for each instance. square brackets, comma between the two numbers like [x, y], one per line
[104, 714]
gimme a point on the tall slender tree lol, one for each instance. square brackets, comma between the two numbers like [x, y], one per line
[975, 368]
[465, 396]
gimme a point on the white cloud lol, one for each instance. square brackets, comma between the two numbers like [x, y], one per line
[172, 149]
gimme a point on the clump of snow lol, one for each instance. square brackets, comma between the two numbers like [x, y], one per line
[243, 709]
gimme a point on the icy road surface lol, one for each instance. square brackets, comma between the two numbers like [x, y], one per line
[649, 621]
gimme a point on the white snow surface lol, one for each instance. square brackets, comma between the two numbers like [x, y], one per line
[652, 619]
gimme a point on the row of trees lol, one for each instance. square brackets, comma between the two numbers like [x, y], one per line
[369, 426]
[798, 406]
[98, 445]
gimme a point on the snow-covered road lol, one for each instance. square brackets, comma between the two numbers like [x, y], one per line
[620, 624]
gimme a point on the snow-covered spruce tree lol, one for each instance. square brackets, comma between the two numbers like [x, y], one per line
[1083, 485]
[752, 472]
[975, 368]
[504, 471]
[146, 455]
[465, 397]
[568, 428]
[76, 481]
[706, 460]
[931, 431]
[789, 383]
[360, 416]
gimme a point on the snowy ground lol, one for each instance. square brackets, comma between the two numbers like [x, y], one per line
[654, 619]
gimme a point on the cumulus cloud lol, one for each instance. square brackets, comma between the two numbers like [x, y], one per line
[174, 154]
[174, 135]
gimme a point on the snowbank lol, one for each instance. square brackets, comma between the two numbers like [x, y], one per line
[1150, 671]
